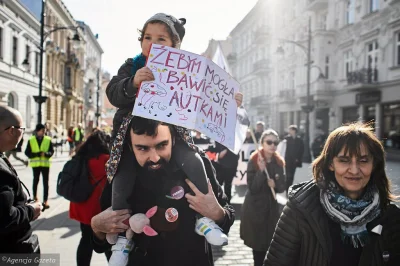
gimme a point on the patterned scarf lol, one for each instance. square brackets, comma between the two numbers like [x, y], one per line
[352, 215]
[139, 61]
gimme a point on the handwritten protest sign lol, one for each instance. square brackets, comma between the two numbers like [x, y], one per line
[189, 91]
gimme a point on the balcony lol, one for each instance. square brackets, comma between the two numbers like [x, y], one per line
[261, 35]
[363, 79]
[261, 67]
[316, 5]
[287, 96]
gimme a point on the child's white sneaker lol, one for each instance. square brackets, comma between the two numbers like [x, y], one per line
[120, 252]
[211, 231]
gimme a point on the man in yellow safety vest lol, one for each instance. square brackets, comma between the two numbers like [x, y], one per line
[78, 137]
[39, 151]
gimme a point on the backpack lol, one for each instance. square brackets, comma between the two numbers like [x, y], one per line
[73, 181]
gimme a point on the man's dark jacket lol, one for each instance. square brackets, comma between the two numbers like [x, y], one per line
[302, 236]
[121, 93]
[177, 243]
[294, 151]
[15, 215]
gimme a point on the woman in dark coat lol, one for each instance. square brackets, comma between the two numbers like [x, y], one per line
[345, 216]
[260, 211]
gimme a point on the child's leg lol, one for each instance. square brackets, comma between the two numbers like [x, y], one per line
[191, 163]
[124, 180]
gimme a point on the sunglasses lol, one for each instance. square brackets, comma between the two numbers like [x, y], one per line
[16, 127]
[270, 142]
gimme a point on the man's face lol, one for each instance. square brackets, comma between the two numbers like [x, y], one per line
[40, 133]
[152, 152]
[13, 134]
[260, 128]
[292, 132]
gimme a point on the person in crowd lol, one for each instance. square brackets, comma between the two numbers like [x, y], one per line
[260, 210]
[165, 30]
[70, 140]
[248, 138]
[225, 166]
[318, 144]
[176, 243]
[16, 212]
[39, 151]
[345, 215]
[198, 139]
[78, 136]
[96, 150]
[293, 154]
[14, 153]
[260, 127]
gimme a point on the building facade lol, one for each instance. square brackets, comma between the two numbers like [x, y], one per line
[356, 46]
[64, 75]
[250, 63]
[92, 79]
[19, 39]
[108, 110]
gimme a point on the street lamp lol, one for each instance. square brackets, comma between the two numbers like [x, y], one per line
[309, 107]
[40, 99]
[98, 114]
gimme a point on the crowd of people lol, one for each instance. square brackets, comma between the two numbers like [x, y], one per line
[157, 199]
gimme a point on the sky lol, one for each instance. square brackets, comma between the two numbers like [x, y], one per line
[117, 22]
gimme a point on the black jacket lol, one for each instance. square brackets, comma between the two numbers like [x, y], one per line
[294, 151]
[177, 244]
[15, 215]
[121, 93]
[302, 236]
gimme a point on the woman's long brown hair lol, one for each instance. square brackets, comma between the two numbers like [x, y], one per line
[352, 137]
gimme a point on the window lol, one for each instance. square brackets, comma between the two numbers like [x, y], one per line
[373, 5]
[350, 12]
[348, 62]
[37, 58]
[372, 54]
[15, 51]
[62, 74]
[11, 100]
[27, 50]
[327, 59]
[372, 60]
[397, 45]
[1, 43]
[292, 85]
[67, 78]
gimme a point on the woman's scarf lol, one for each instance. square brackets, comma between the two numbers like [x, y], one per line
[352, 215]
[139, 61]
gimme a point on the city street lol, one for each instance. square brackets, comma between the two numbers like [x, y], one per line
[58, 234]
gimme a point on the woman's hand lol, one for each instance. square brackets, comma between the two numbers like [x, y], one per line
[261, 163]
[239, 98]
[271, 183]
[143, 74]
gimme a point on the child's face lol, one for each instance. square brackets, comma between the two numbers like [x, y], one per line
[155, 33]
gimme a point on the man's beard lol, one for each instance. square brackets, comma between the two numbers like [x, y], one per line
[162, 165]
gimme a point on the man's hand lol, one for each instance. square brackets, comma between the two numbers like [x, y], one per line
[205, 204]
[37, 207]
[143, 74]
[110, 221]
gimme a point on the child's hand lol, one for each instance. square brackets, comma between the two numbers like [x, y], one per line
[239, 98]
[143, 74]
